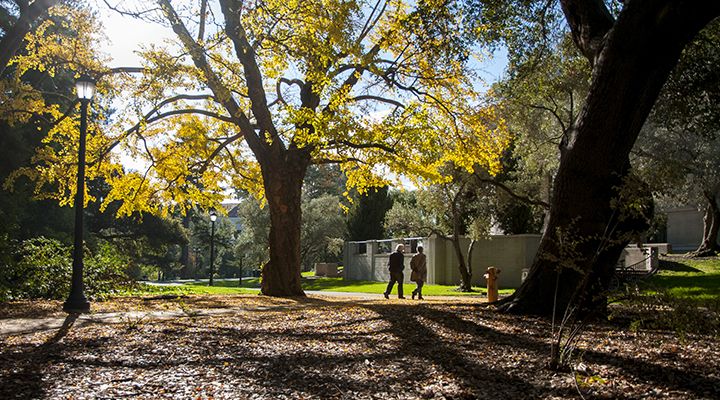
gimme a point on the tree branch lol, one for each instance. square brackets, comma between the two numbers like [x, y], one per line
[589, 22]
[348, 143]
[524, 199]
[11, 42]
[378, 98]
[232, 10]
[221, 93]
[203, 12]
[217, 151]
[151, 117]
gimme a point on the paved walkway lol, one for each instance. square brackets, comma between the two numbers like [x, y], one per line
[17, 326]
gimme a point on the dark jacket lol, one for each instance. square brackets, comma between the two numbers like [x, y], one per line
[397, 262]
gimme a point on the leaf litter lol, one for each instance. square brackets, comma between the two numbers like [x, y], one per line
[343, 348]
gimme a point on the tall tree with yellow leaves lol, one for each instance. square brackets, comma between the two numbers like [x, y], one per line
[256, 92]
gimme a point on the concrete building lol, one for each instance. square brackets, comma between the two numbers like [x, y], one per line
[684, 229]
[512, 254]
[368, 260]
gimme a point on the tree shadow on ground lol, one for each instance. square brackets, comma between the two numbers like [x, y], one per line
[30, 363]
[668, 265]
[315, 348]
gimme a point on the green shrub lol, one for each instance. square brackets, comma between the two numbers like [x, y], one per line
[42, 268]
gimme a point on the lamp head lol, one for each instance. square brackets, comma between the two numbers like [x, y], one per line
[213, 216]
[85, 87]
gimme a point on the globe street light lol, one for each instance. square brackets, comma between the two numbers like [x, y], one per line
[213, 217]
[76, 301]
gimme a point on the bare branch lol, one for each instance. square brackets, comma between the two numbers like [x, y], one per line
[221, 93]
[140, 14]
[378, 98]
[350, 144]
[203, 16]
[551, 111]
[512, 194]
[124, 70]
[217, 151]
[189, 111]
[278, 91]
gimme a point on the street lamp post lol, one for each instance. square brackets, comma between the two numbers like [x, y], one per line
[76, 301]
[213, 217]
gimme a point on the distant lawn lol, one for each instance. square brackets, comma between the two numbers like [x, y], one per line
[309, 282]
[187, 289]
[340, 285]
[698, 280]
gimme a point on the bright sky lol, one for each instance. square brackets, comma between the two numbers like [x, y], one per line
[127, 35]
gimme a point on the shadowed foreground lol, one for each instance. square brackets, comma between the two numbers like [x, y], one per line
[322, 347]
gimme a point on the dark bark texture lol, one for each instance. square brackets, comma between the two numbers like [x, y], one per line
[588, 226]
[711, 225]
[283, 183]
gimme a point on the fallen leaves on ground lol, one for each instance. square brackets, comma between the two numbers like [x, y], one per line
[342, 348]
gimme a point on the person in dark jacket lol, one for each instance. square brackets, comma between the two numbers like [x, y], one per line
[396, 265]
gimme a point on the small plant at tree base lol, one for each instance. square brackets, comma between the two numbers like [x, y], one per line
[133, 322]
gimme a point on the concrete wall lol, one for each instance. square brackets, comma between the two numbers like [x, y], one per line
[372, 264]
[509, 253]
[684, 228]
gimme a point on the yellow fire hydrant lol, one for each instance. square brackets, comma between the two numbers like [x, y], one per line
[492, 287]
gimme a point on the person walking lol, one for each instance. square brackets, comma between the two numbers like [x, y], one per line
[396, 265]
[418, 266]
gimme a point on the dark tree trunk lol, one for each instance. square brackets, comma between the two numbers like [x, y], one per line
[711, 224]
[283, 178]
[587, 229]
[465, 274]
[185, 258]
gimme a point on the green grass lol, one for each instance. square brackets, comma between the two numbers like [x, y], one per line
[695, 280]
[309, 282]
[187, 289]
[340, 285]
[688, 278]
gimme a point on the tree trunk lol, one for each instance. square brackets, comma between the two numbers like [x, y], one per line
[465, 275]
[185, 259]
[283, 178]
[471, 247]
[711, 224]
[587, 229]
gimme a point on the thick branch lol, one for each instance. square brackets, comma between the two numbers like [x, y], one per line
[246, 54]
[220, 91]
[589, 22]
[203, 17]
